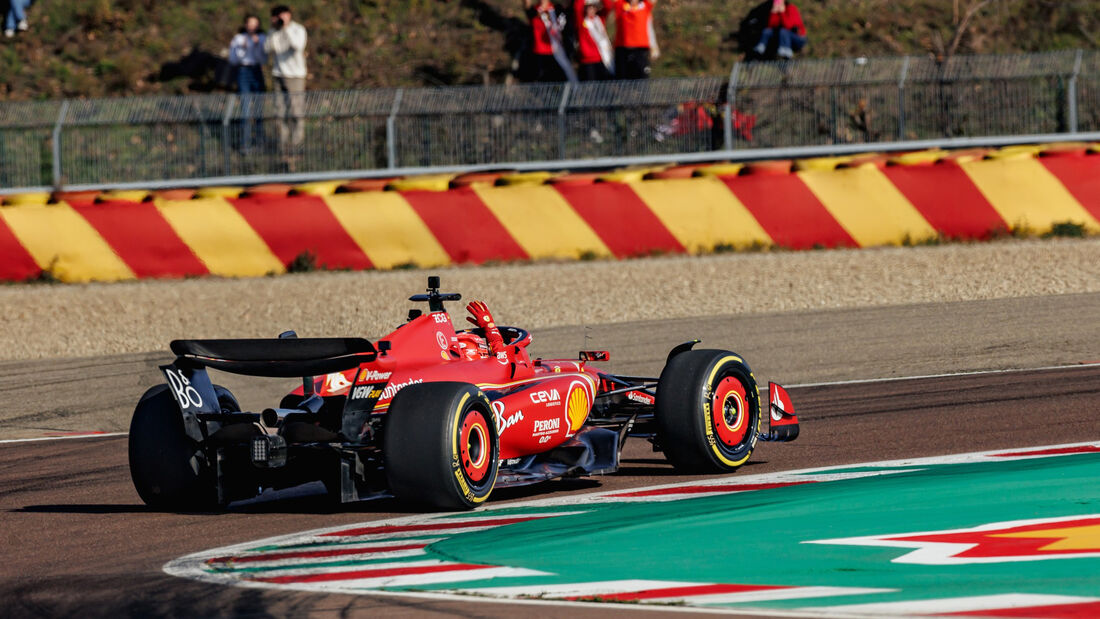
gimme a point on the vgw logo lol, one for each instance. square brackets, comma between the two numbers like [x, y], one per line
[369, 392]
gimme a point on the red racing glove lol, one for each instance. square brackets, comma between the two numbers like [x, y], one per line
[480, 317]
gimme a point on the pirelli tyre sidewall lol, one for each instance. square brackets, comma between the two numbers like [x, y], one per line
[708, 411]
[440, 445]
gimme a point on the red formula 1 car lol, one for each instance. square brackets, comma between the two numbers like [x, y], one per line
[434, 415]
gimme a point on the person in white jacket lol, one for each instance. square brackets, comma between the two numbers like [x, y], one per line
[286, 45]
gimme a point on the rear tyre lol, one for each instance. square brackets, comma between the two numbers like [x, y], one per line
[708, 411]
[167, 467]
[226, 400]
[441, 446]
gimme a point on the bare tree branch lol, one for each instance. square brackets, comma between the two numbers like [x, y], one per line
[891, 41]
[1092, 38]
[971, 10]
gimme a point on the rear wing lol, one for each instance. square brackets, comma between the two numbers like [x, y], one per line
[286, 357]
[276, 358]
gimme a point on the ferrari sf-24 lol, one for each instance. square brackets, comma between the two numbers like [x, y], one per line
[433, 415]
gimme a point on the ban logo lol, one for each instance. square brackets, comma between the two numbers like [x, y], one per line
[999, 542]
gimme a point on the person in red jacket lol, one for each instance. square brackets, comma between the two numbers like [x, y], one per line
[785, 18]
[634, 38]
[547, 24]
[595, 52]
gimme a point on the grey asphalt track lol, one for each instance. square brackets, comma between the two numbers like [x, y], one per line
[78, 541]
[77, 395]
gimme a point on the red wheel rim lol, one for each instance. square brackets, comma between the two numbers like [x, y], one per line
[475, 446]
[730, 408]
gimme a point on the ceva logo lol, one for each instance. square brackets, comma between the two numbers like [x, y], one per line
[545, 397]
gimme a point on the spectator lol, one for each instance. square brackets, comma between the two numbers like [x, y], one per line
[792, 32]
[634, 38]
[286, 46]
[547, 23]
[597, 54]
[16, 19]
[246, 53]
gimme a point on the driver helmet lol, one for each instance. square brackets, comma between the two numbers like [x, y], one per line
[470, 346]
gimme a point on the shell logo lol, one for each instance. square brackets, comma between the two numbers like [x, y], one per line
[577, 406]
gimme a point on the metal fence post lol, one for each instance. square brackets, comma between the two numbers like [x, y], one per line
[391, 129]
[834, 113]
[1071, 92]
[731, 97]
[57, 144]
[202, 137]
[901, 97]
[230, 103]
[561, 118]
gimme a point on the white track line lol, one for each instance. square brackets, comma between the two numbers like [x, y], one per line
[363, 585]
[744, 597]
[955, 605]
[61, 438]
[576, 589]
[865, 381]
[320, 568]
[277, 566]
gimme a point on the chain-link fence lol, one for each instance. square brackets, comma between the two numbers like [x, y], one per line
[867, 100]
[26, 150]
[802, 103]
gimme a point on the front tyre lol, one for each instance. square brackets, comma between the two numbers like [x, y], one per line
[708, 411]
[167, 467]
[441, 446]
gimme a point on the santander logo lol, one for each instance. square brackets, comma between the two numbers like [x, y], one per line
[392, 388]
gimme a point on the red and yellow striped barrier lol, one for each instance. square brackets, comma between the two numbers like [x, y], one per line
[852, 201]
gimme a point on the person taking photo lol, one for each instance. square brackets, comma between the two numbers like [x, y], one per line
[286, 45]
